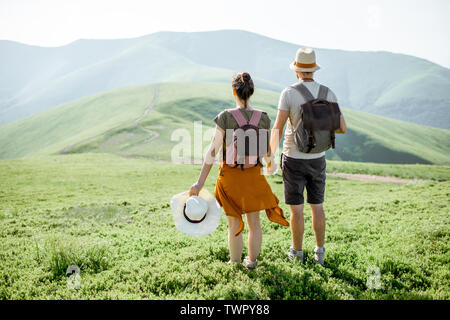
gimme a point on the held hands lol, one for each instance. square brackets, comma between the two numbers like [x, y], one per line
[271, 165]
[195, 189]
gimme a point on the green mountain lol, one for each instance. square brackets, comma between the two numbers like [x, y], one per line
[140, 121]
[33, 79]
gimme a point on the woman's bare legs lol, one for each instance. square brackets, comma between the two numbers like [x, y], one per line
[235, 243]
[254, 235]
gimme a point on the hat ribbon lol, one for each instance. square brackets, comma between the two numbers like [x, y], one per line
[192, 221]
[304, 65]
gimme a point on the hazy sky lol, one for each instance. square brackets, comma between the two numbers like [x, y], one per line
[419, 28]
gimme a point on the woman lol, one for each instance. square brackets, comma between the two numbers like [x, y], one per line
[241, 191]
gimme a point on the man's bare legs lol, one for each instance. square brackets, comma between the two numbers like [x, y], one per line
[298, 225]
[318, 222]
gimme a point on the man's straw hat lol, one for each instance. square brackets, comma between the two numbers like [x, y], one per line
[305, 61]
[196, 215]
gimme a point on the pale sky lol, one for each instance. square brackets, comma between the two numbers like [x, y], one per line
[419, 28]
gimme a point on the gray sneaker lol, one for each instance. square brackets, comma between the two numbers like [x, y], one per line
[250, 265]
[295, 255]
[319, 255]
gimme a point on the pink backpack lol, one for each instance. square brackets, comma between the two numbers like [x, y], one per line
[247, 143]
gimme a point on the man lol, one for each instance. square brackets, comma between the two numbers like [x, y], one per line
[300, 169]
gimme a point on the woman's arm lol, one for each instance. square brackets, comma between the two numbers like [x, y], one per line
[268, 156]
[275, 138]
[215, 146]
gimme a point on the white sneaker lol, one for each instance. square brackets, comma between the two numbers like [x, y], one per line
[250, 265]
[319, 255]
[295, 255]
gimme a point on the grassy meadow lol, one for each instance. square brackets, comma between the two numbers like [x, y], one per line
[110, 216]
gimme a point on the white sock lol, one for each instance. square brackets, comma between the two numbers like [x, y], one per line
[296, 251]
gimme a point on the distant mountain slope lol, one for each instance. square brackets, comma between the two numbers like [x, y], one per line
[104, 123]
[33, 79]
[73, 121]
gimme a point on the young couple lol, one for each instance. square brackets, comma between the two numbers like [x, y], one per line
[247, 191]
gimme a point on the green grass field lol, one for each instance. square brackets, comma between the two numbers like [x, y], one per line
[405, 171]
[111, 216]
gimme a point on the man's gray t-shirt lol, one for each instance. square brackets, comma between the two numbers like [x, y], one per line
[291, 100]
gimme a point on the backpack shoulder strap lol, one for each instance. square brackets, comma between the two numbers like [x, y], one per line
[323, 93]
[306, 94]
[256, 116]
[238, 116]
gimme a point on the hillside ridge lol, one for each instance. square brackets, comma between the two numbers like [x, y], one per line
[33, 79]
[119, 121]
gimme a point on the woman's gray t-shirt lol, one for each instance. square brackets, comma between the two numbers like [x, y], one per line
[226, 121]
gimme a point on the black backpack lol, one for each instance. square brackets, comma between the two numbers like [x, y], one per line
[319, 120]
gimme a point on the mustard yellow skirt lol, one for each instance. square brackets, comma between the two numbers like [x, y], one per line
[243, 191]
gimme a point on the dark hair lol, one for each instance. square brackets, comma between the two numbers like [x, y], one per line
[242, 83]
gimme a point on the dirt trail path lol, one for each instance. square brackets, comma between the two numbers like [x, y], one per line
[154, 134]
[135, 122]
[371, 178]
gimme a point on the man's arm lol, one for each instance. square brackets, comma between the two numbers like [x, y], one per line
[343, 126]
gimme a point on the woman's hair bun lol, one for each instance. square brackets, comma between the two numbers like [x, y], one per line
[242, 83]
[246, 76]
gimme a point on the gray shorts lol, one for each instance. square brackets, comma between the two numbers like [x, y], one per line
[301, 173]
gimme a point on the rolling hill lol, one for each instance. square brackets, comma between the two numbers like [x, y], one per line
[106, 123]
[33, 79]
